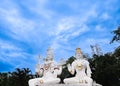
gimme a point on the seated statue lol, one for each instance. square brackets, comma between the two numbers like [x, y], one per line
[83, 71]
[49, 71]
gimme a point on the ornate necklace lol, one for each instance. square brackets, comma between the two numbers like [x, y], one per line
[79, 65]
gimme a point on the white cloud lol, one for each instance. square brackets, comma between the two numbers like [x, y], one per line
[38, 7]
[105, 16]
[99, 28]
[11, 53]
[22, 29]
[64, 24]
[20, 26]
[65, 30]
[9, 46]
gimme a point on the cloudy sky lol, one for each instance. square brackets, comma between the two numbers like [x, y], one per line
[29, 27]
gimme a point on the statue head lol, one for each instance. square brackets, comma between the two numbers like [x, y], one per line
[78, 54]
[49, 56]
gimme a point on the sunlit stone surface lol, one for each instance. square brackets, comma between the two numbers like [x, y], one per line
[49, 70]
[83, 71]
[94, 84]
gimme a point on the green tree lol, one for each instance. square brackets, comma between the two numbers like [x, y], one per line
[116, 36]
[4, 79]
[117, 52]
[106, 69]
[19, 77]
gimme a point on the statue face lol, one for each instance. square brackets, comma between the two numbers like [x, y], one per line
[79, 56]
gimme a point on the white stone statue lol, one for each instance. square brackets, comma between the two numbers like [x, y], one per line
[83, 71]
[49, 70]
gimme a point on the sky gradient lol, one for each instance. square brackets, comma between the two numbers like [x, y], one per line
[29, 27]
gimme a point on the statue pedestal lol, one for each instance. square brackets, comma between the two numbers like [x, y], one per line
[67, 85]
[61, 85]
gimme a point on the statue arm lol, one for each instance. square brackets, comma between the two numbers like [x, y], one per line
[71, 68]
[59, 70]
[39, 70]
[88, 70]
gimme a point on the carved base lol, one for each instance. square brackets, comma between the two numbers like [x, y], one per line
[67, 85]
[61, 85]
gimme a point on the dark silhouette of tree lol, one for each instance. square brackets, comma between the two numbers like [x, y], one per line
[116, 36]
[117, 52]
[19, 77]
[106, 69]
[4, 79]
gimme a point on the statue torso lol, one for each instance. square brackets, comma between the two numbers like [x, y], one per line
[80, 67]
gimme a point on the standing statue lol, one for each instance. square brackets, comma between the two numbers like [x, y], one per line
[49, 70]
[82, 68]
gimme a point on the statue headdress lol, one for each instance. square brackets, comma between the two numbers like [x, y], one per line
[78, 50]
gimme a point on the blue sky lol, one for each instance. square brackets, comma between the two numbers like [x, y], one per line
[29, 27]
